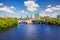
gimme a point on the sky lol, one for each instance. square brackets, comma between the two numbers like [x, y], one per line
[18, 8]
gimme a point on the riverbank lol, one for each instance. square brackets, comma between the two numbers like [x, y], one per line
[7, 23]
[53, 21]
[50, 21]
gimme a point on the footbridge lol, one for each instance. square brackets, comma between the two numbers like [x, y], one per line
[28, 21]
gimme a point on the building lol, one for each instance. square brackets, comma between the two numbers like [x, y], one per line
[46, 17]
[37, 15]
[58, 16]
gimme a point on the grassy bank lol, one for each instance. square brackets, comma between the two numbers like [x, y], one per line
[53, 21]
[7, 22]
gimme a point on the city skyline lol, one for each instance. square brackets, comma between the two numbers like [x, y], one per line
[18, 8]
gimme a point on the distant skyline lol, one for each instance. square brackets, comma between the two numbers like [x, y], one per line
[18, 8]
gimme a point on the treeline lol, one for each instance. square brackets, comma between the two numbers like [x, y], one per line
[8, 22]
[53, 21]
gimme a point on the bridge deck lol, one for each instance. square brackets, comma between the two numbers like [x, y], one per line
[28, 21]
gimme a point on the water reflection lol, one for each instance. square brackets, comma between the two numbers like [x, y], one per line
[31, 32]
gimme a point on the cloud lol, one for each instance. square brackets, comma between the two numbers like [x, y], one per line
[1, 4]
[5, 9]
[51, 11]
[23, 11]
[13, 8]
[43, 14]
[31, 6]
[32, 0]
[56, 8]
[48, 10]
[49, 6]
[52, 15]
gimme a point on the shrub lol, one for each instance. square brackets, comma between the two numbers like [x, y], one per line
[53, 21]
[8, 22]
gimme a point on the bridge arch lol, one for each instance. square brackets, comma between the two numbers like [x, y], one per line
[27, 21]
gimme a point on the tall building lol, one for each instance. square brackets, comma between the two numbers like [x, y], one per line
[37, 15]
[30, 16]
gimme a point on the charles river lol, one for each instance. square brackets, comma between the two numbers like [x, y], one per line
[31, 32]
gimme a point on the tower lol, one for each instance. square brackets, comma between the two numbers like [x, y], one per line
[37, 15]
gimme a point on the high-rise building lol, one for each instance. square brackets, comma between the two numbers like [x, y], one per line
[37, 15]
[30, 16]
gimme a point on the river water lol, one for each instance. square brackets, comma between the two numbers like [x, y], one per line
[31, 32]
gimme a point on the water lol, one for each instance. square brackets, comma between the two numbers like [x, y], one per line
[31, 32]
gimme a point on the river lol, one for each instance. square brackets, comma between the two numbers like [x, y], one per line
[31, 32]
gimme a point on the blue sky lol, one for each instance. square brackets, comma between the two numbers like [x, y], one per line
[18, 8]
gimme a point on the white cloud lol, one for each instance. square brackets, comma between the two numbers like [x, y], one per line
[56, 8]
[52, 9]
[43, 14]
[23, 11]
[32, 0]
[1, 4]
[13, 8]
[54, 15]
[31, 5]
[31, 9]
[49, 6]
[48, 10]
[5, 9]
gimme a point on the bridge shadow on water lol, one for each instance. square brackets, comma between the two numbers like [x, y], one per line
[31, 32]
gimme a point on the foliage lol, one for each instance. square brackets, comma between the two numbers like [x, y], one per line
[53, 21]
[8, 22]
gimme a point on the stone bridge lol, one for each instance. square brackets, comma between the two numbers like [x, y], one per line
[28, 21]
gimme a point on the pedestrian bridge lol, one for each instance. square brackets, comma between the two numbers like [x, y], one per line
[28, 21]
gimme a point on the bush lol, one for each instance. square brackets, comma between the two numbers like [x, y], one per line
[8, 22]
[53, 21]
